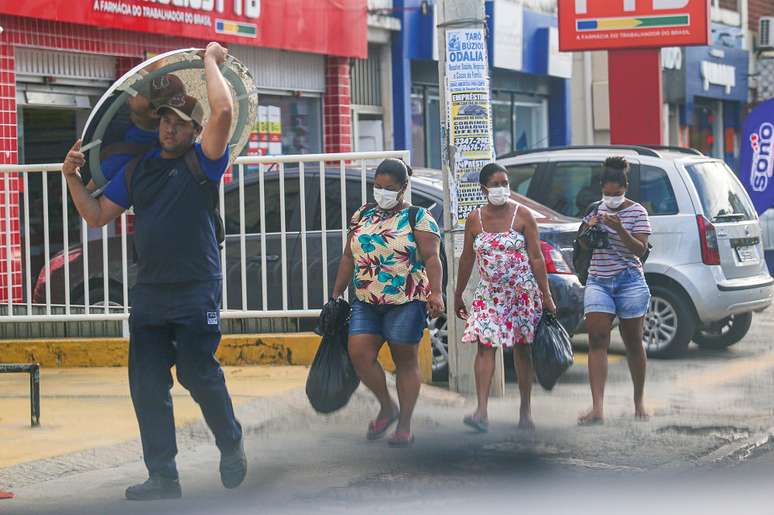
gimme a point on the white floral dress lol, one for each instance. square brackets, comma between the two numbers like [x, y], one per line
[507, 304]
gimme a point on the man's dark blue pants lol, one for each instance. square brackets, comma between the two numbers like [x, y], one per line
[177, 325]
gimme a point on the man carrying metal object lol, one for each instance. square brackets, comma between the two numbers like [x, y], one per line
[135, 129]
[175, 318]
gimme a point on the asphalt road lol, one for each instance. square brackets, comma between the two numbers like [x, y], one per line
[705, 450]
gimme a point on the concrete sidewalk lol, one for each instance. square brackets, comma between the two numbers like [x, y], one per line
[86, 408]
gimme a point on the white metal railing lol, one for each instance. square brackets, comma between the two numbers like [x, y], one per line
[43, 302]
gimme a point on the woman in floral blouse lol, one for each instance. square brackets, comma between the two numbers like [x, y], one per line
[512, 291]
[396, 273]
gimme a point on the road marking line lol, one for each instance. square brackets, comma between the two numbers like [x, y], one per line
[727, 373]
[582, 358]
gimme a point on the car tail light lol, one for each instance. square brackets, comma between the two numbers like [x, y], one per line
[56, 263]
[555, 263]
[710, 252]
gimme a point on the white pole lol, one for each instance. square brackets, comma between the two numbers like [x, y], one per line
[452, 16]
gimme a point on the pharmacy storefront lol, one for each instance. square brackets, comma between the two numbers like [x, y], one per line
[57, 57]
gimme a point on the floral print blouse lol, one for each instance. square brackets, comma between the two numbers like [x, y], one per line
[388, 267]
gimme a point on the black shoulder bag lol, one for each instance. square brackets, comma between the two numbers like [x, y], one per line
[592, 237]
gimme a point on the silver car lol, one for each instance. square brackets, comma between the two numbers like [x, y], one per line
[707, 272]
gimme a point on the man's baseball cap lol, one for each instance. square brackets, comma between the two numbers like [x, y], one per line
[186, 107]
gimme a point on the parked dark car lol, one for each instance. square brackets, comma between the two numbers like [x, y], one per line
[556, 232]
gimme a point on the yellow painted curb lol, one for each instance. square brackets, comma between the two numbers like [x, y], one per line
[234, 350]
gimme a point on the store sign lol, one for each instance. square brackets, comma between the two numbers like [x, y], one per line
[610, 24]
[714, 72]
[508, 29]
[331, 27]
[672, 58]
[723, 75]
[468, 117]
[559, 63]
[757, 159]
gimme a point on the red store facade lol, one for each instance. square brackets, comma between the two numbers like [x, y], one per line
[58, 57]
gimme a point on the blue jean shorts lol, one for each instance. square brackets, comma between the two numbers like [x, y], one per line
[625, 295]
[402, 323]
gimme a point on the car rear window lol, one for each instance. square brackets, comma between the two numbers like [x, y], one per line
[573, 186]
[656, 194]
[722, 196]
[520, 177]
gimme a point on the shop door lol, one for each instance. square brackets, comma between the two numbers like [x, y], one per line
[369, 132]
[47, 135]
[706, 133]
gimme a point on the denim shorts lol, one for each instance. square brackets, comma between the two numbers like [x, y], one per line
[402, 323]
[625, 295]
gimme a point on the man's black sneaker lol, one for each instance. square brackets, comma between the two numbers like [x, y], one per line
[155, 488]
[233, 466]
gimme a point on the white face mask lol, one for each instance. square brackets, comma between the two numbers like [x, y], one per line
[386, 199]
[614, 202]
[498, 196]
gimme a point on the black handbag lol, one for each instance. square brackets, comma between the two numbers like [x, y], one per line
[592, 237]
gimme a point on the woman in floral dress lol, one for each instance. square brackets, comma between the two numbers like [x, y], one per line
[396, 273]
[512, 292]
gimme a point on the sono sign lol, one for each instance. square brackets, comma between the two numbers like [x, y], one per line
[761, 169]
[757, 159]
[609, 24]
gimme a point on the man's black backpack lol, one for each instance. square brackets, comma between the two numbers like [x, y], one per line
[193, 165]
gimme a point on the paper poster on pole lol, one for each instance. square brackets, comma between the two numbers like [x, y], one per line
[469, 117]
[275, 131]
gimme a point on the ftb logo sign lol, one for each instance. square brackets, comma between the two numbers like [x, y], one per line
[762, 159]
[757, 159]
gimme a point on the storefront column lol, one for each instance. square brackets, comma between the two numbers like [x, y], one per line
[731, 128]
[337, 106]
[9, 189]
[401, 80]
[635, 96]
[559, 118]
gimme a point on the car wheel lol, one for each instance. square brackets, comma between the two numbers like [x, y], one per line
[97, 299]
[724, 333]
[669, 324]
[439, 340]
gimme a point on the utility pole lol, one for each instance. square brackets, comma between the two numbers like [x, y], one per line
[466, 134]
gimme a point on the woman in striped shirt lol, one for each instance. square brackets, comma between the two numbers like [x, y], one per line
[616, 287]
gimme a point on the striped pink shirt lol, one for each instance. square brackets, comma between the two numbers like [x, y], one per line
[617, 258]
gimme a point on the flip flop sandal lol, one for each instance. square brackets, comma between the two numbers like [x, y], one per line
[479, 425]
[591, 422]
[377, 428]
[401, 440]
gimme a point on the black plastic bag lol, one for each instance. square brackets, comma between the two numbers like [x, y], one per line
[551, 351]
[332, 378]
